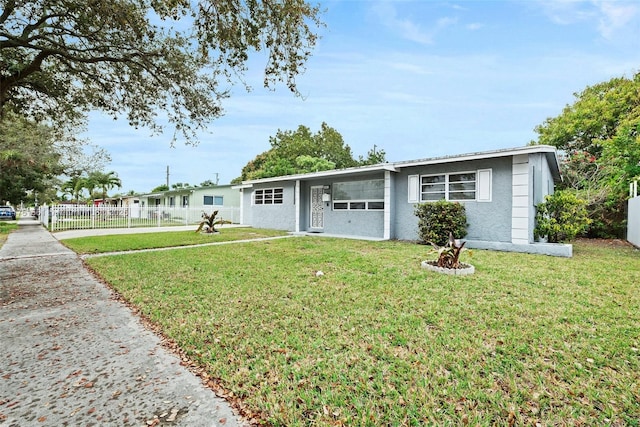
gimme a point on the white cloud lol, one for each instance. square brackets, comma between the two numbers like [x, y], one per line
[607, 16]
[408, 28]
[615, 16]
[566, 12]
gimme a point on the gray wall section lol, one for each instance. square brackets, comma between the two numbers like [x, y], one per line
[277, 217]
[487, 220]
[347, 223]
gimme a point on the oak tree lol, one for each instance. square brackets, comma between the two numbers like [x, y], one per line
[153, 61]
[29, 160]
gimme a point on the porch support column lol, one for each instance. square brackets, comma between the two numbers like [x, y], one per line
[520, 200]
[387, 205]
[296, 203]
[242, 206]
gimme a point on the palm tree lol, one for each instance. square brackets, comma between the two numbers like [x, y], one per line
[104, 181]
[74, 187]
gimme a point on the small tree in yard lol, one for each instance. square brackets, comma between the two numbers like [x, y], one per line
[209, 222]
[449, 255]
[437, 220]
[561, 217]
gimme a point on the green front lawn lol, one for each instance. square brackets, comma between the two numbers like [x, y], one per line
[165, 239]
[379, 341]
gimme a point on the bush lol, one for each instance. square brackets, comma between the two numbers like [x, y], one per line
[561, 217]
[437, 219]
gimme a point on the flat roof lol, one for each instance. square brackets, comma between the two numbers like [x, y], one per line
[550, 152]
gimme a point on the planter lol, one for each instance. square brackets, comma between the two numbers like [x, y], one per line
[463, 270]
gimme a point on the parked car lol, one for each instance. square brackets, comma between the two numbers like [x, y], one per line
[7, 212]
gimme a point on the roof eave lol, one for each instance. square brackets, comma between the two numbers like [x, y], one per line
[322, 174]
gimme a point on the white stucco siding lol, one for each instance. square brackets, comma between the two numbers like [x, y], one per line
[520, 188]
[387, 232]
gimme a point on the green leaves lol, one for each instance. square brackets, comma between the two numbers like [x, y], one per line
[68, 57]
[561, 217]
[600, 137]
[437, 220]
[28, 158]
[301, 151]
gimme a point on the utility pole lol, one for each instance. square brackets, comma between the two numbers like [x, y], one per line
[167, 176]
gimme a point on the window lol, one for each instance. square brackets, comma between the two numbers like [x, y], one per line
[359, 195]
[185, 201]
[172, 202]
[268, 196]
[451, 186]
[213, 200]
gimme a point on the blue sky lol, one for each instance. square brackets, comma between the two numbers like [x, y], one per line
[416, 78]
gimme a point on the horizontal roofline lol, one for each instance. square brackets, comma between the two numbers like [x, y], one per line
[529, 149]
[313, 175]
[550, 151]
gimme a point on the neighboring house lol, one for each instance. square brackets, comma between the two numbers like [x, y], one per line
[120, 201]
[222, 198]
[499, 189]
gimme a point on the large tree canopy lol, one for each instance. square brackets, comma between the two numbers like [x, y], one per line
[599, 135]
[28, 158]
[301, 151]
[144, 58]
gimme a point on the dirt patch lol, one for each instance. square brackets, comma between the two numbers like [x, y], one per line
[608, 243]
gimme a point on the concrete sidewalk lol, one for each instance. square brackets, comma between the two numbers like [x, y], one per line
[70, 234]
[73, 355]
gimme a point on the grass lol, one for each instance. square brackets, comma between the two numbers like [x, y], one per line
[130, 242]
[5, 229]
[379, 341]
[116, 222]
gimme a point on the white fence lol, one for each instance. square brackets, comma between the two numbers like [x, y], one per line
[64, 217]
[633, 219]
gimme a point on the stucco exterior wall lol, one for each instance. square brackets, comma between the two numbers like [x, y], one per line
[342, 222]
[278, 216]
[230, 196]
[487, 220]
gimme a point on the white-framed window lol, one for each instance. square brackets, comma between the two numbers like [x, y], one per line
[458, 186]
[365, 195]
[213, 200]
[268, 196]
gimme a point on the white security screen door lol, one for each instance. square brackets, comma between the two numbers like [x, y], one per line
[317, 212]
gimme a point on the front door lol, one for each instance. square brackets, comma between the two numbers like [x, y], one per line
[317, 211]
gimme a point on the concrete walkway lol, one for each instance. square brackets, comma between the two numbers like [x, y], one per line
[73, 355]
